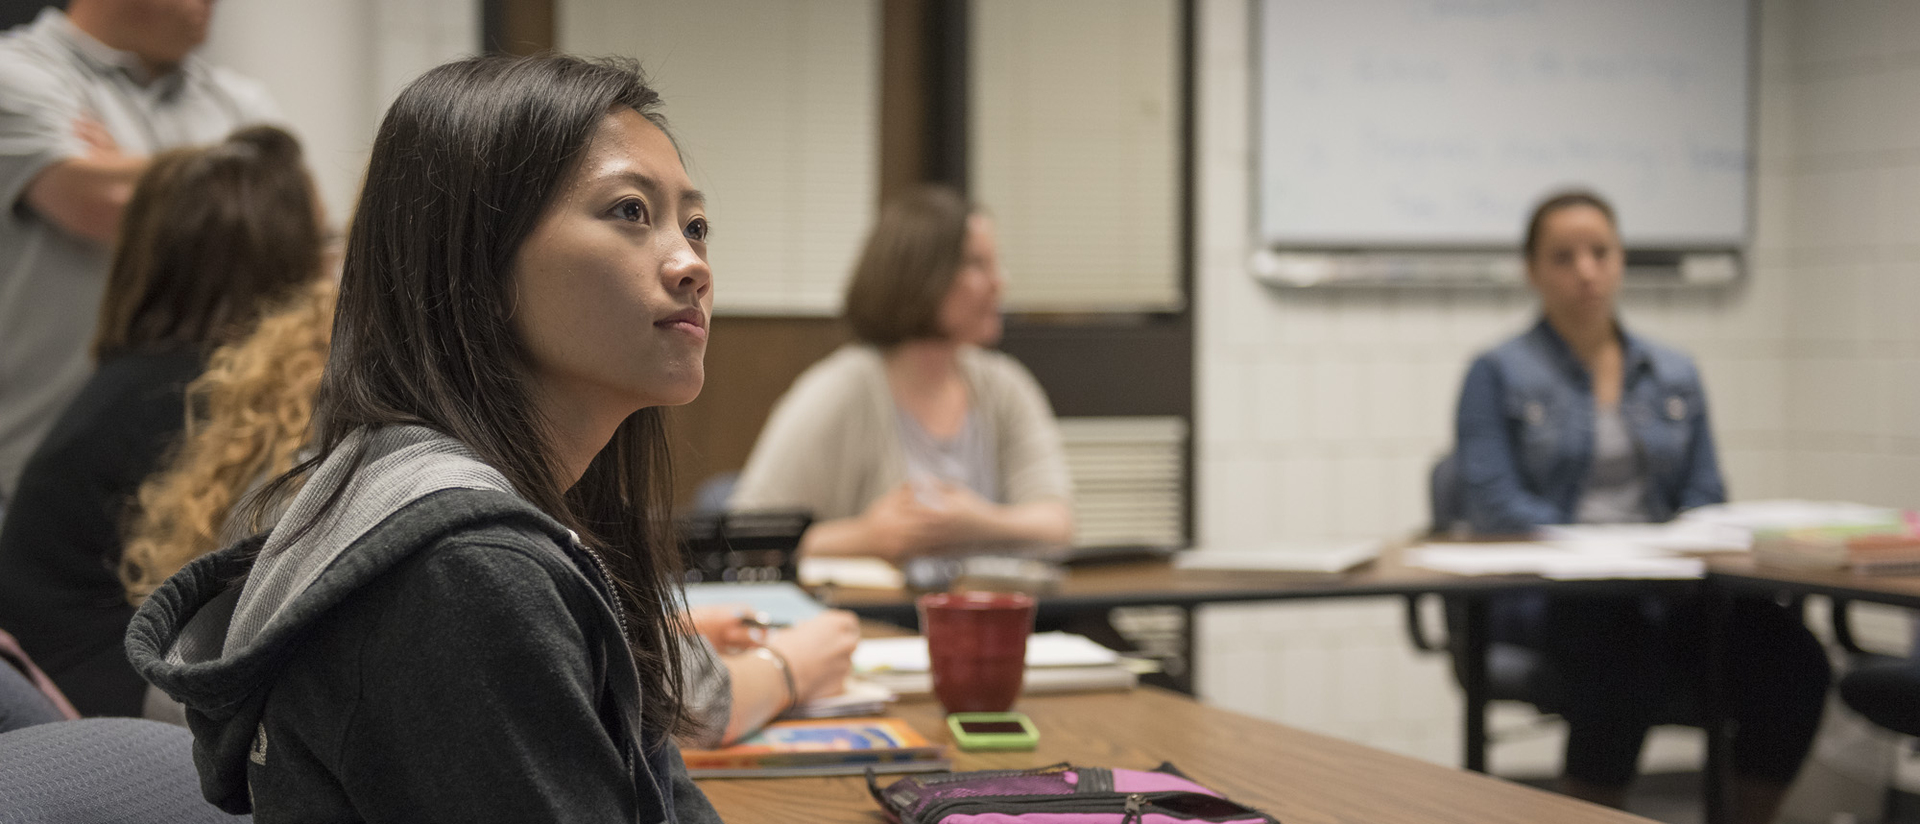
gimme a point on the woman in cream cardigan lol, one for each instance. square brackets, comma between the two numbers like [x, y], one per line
[916, 439]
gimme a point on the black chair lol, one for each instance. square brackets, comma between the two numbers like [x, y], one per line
[1887, 692]
[1515, 671]
[1515, 668]
[744, 546]
[103, 770]
[1883, 688]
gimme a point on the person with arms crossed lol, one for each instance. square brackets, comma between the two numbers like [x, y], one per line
[86, 97]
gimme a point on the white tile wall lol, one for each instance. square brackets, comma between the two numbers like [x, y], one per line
[1851, 351]
[1812, 366]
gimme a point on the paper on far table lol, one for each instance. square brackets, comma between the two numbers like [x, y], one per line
[1556, 560]
[1674, 536]
[1790, 514]
[1327, 557]
[853, 572]
[1044, 649]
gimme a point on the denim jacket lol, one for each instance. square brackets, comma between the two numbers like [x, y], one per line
[1524, 433]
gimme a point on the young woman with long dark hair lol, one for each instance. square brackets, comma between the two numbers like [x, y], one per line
[467, 611]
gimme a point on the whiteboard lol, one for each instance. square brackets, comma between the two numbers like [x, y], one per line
[1440, 123]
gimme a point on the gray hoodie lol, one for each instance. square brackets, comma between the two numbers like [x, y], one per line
[436, 649]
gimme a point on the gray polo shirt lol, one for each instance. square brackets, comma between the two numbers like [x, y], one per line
[51, 74]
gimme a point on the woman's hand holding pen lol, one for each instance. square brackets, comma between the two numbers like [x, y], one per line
[819, 651]
[728, 627]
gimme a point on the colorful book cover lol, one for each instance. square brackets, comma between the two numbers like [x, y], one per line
[821, 747]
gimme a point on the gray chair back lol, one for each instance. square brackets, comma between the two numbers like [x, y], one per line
[22, 704]
[103, 770]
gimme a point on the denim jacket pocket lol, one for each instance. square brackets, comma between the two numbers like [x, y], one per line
[1540, 426]
[1663, 419]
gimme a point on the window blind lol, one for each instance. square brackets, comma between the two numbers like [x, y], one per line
[1074, 148]
[775, 106]
[1128, 477]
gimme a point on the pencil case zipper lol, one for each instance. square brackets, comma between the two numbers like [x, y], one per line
[1132, 807]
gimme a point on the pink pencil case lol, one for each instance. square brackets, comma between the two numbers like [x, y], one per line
[1060, 794]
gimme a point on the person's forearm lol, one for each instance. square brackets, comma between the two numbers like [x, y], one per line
[840, 536]
[85, 196]
[1043, 522]
[759, 694]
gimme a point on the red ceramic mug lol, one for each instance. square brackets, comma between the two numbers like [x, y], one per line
[977, 645]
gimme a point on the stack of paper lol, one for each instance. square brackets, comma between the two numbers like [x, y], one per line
[1792, 514]
[1864, 550]
[1056, 662]
[1557, 560]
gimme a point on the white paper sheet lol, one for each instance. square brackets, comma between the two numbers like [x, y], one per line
[1674, 536]
[854, 572]
[1326, 558]
[1044, 649]
[1566, 560]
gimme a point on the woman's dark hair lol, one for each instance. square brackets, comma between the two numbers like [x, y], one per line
[467, 160]
[908, 267]
[1556, 202]
[213, 237]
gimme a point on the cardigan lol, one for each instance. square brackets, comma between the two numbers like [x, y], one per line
[833, 443]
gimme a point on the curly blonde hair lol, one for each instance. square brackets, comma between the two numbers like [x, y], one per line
[249, 418]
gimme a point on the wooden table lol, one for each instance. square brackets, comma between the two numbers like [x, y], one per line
[1739, 573]
[1158, 583]
[1299, 777]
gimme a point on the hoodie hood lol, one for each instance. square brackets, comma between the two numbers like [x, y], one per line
[215, 636]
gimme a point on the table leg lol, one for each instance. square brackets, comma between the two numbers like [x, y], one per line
[1164, 633]
[1473, 681]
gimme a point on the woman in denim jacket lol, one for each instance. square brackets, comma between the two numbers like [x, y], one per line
[1578, 421]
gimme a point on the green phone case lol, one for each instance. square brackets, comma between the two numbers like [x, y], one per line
[974, 731]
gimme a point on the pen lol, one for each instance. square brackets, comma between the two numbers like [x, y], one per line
[760, 620]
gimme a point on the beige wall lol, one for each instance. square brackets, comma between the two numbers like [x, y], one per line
[333, 67]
